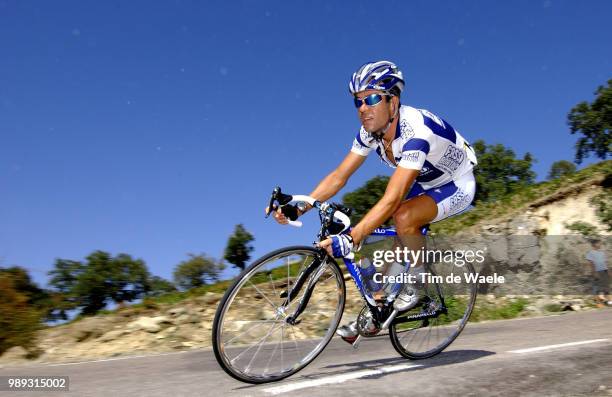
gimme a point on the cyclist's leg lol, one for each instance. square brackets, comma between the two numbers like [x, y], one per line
[428, 206]
[411, 215]
[409, 218]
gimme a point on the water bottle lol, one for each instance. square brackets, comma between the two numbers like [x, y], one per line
[367, 270]
[392, 289]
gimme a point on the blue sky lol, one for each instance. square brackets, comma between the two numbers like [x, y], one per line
[153, 128]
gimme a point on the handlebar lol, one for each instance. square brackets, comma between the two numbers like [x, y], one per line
[327, 211]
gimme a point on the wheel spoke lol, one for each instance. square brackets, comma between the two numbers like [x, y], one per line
[422, 342]
[260, 345]
[252, 346]
[251, 334]
[264, 296]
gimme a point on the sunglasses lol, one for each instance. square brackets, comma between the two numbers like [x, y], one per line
[370, 100]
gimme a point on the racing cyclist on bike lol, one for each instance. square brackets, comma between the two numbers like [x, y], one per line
[433, 164]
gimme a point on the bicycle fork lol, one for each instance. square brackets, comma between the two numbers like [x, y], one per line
[318, 270]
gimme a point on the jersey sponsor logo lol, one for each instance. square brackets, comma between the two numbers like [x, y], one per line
[411, 157]
[383, 230]
[452, 159]
[458, 201]
[405, 130]
[425, 170]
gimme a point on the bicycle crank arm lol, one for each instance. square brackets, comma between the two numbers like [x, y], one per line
[418, 316]
[383, 327]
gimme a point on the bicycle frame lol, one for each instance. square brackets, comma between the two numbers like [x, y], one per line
[355, 273]
[327, 212]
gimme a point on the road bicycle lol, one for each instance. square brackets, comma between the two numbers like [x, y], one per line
[283, 310]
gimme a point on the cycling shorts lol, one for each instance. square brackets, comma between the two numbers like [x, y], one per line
[451, 198]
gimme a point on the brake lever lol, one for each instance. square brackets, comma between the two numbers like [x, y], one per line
[271, 206]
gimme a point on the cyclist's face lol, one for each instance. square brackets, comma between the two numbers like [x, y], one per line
[374, 118]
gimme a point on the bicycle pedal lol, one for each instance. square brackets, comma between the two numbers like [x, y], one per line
[350, 339]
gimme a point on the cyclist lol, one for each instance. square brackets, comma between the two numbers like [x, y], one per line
[433, 165]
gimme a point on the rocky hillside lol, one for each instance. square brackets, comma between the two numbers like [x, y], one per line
[519, 233]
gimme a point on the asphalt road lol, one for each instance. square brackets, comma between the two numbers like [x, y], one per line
[488, 359]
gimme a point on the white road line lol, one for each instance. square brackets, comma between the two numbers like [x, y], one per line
[549, 347]
[338, 378]
[115, 359]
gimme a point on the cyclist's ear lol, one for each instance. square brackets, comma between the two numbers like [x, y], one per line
[393, 104]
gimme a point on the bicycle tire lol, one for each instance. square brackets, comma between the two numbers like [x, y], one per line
[218, 334]
[424, 328]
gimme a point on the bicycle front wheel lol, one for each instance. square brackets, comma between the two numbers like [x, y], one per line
[424, 338]
[255, 339]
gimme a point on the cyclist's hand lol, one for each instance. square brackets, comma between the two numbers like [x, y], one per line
[338, 246]
[279, 216]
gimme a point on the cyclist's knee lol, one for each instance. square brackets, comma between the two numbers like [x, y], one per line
[406, 222]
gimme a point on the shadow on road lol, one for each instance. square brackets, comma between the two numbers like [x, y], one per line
[444, 358]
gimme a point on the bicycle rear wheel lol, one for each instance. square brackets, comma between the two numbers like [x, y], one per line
[253, 338]
[427, 337]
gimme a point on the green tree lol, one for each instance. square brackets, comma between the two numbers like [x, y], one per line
[238, 248]
[584, 228]
[499, 172]
[19, 320]
[130, 278]
[197, 271]
[157, 286]
[593, 121]
[64, 277]
[561, 168]
[362, 199]
[603, 206]
[38, 298]
[101, 279]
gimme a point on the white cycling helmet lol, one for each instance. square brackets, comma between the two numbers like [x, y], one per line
[381, 75]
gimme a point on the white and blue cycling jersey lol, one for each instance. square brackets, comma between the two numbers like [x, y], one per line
[425, 142]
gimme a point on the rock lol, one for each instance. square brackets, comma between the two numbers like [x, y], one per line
[210, 298]
[176, 311]
[128, 312]
[149, 324]
[89, 328]
[187, 319]
[170, 330]
[490, 298]
[176, 344]
[112, 335]
[15, 353]
[498, 249]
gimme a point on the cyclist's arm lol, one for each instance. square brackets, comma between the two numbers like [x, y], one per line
[332, 183]
[397, 188]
